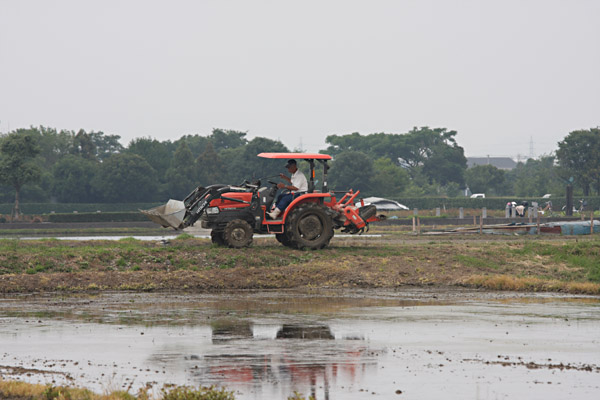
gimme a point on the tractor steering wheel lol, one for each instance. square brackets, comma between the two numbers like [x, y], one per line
[275, 184]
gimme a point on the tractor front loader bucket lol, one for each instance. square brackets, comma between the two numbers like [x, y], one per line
[168, 215]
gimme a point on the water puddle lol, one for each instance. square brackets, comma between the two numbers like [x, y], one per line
[334, 345]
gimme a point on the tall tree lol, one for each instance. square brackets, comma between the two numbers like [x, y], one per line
[182, 177]
[437, 151]
[106, 145]
[578, 156]
[352, 170]
[73, 177]
[433, 153]
[486, 179]
[84, 146]
[377, 144]
[446, 164]
[242, 162]
[209, 167]
[228, 139]
[53, 145]
[535, 178]
[389, 180]
[158, 154]
[257, 167]
[126, 178]
[196, 143]
[17, 165]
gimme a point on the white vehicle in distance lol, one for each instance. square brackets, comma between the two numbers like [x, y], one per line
[478, 196]
[383, 204]
[547, 196]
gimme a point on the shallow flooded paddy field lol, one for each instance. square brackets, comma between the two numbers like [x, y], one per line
[415, 343]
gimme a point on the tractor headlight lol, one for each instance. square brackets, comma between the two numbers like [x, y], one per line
[212, 210]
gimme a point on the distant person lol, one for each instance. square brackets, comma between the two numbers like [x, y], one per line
[520, 209]
[297, 186]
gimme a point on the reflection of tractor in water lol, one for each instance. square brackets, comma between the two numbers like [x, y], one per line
[302, 331]
[235, 213]
[225, 330]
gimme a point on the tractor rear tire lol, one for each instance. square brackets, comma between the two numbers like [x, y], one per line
[216, 237]
[309, 227]
[237, 234]
[284, 240]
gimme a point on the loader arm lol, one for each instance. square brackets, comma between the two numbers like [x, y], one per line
[199, 200]
[192, 207]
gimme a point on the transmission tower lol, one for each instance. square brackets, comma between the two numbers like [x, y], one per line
[531, 154]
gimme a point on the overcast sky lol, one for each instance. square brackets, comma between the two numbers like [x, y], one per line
[500, 73]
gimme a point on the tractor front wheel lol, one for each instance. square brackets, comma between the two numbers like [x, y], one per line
[309, 227]
[216, 237]
[237, 234]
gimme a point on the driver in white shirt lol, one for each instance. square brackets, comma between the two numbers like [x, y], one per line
[297, 185]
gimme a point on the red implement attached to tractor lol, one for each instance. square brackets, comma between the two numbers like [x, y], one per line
[235, 213]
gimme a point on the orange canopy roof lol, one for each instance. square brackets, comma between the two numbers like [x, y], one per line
[302, 156]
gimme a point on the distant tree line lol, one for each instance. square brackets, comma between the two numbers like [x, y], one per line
[42, 164]
[575, 162]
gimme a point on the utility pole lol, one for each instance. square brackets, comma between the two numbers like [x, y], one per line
[569, 210]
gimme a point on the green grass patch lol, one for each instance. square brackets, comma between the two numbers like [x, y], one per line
[10, 389]
[184, 236]
[583, 255]
[476, 262]
[385, 263]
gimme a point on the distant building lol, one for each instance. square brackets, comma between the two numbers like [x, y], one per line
[505, 163]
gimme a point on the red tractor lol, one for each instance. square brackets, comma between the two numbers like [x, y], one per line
[235, 213]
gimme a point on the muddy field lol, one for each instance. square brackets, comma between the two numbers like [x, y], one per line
[384, 315]
[386, 258]
[331, 344]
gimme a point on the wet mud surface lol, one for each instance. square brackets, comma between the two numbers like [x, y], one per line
[386, 261]
[410, 343]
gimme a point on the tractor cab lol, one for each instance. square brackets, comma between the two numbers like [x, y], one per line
[311, 194]
[310, 158]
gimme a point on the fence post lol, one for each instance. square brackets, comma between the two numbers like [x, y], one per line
[437, 212]
[415, 213]
[484, 212]
[507, 211]
[461, 214]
